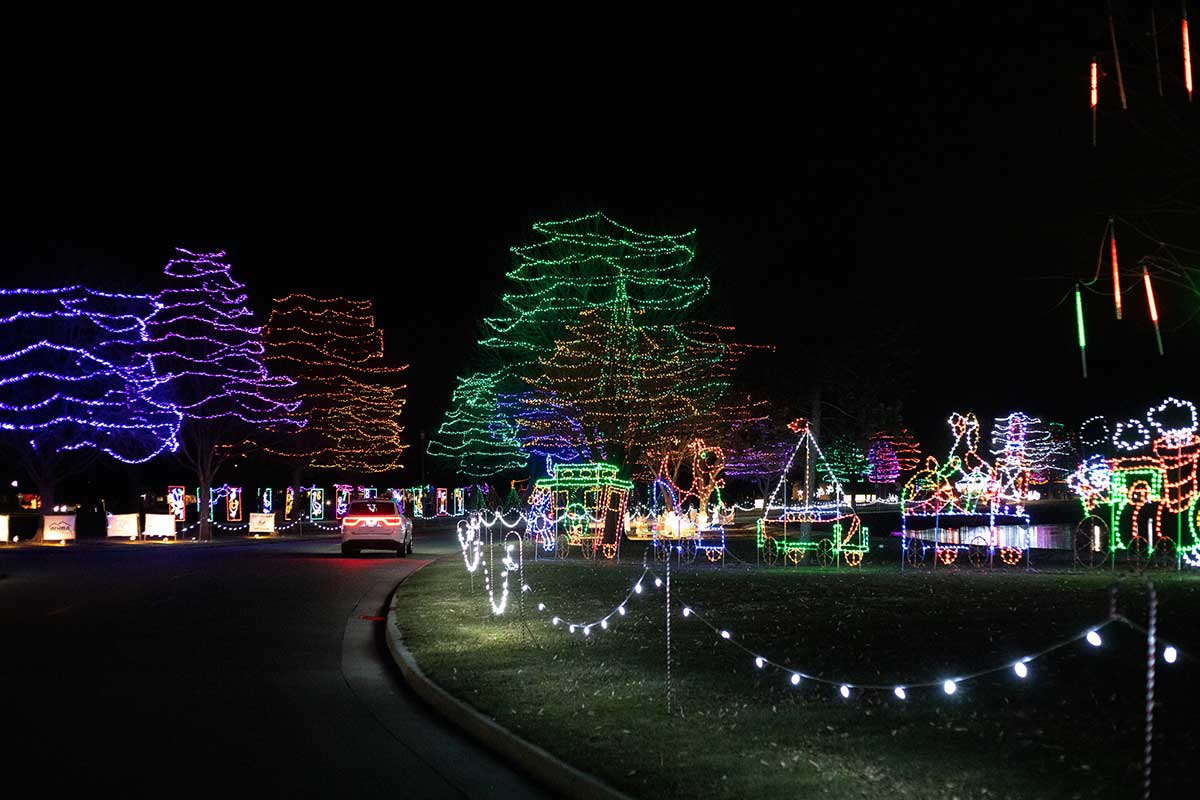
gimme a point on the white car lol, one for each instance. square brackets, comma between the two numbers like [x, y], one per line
[376, 524]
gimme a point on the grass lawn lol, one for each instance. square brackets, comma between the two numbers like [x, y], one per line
[1074, 728]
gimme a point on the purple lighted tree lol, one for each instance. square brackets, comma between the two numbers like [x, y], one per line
[759, 451]
[73, 382]
[207, 356]
[885, 464]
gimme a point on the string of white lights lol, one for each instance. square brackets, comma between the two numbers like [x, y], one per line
[949, 685]
[795, 676]
[599, 622]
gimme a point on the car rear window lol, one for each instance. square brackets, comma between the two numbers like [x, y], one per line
[372, 508]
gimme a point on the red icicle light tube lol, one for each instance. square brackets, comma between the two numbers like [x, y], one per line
[1115, 273]
[1150, 296]
[1187, 60]
[1094, 73]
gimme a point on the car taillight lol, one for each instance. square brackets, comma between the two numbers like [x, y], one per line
[390, 520]
[351, 522]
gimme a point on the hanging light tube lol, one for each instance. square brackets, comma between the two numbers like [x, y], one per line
[1153, 308]
[1116, 274]
[1094, 98]
[1079, 325]
[1187, 58]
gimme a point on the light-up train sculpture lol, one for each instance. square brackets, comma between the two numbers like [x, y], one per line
[1141, 506]
[579, 505]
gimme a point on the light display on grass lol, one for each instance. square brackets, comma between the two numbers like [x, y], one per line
[265, 501]
[669, 526]
[207, 356]
[441, 503]
[822, 523]
[350, 395]
[233, 504]
[1026, 454]
[460, 507]
[289, 501]
[580, 505]
[316, 504]
[341, 499]
[177, 502]
[478, 540]
[417, 496]
[965, 488]
[1142, 493]
[581, 264]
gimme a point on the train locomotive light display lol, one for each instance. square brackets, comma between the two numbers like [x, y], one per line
[581, 505]
[1130, 501]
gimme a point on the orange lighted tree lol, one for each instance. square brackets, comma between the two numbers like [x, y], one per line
[351, 396]
[613, 385]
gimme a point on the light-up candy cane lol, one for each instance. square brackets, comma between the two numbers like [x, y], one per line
[1153, 308]
[468, 539]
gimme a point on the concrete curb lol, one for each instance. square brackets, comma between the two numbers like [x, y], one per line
[537, 762]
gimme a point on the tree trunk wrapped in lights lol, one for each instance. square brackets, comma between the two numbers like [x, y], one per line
[351, 397]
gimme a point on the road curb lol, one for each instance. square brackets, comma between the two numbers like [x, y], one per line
[549, 770]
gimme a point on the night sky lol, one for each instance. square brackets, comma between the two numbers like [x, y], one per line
[860, 181]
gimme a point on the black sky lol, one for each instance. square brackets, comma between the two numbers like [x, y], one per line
[851, 173]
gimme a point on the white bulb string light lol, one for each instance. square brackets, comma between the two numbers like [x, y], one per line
[949, 685]
[638, 587]
[472, 550]
[899, 688]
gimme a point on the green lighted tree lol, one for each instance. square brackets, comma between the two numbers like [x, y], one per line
[590, 262]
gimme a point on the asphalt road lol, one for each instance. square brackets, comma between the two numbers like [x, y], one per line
[230, 668]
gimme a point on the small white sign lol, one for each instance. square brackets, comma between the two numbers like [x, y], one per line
[58, 528]
[758, 503]
[3, 527]
[262, 523]
[159, 525]
[123, 525]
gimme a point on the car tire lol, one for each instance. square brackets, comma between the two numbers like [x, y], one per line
[409, 549]
[349, 550]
